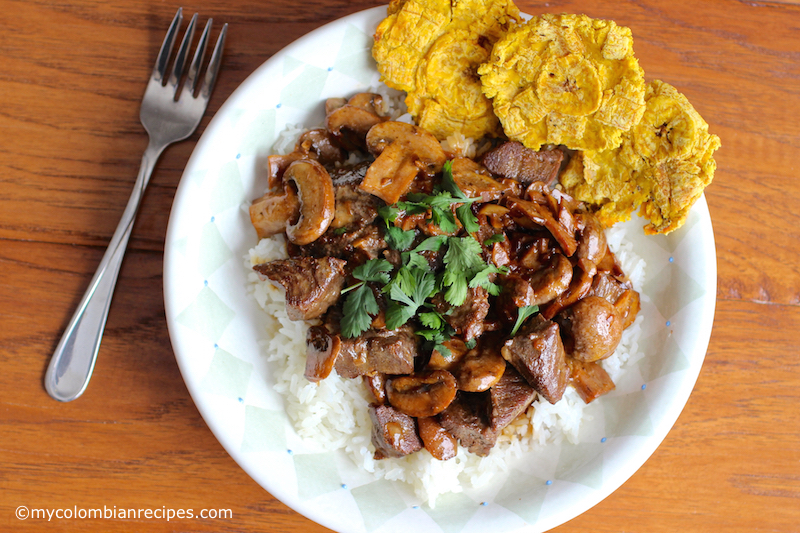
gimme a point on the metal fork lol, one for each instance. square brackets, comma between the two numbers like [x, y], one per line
[168, 117]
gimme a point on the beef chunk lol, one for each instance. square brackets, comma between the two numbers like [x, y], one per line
[467, 419]
[393, 433]
[312, 284]
[513, 160]
[378, 351]
[510, 397]
[538, 354]
[468, 318]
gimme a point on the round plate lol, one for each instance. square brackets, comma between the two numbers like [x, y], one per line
[215, 327]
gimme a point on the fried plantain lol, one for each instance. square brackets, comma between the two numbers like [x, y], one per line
[565, 79]
[662, 166]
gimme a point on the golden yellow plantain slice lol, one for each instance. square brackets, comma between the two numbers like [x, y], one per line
[661, 168]
[565, 79]
[431, 49]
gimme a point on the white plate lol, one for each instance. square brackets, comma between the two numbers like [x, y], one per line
[214, 327]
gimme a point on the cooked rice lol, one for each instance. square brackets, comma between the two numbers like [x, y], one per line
[333, 414]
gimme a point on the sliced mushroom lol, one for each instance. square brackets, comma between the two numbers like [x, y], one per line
[542, 216]
[475, 181]
[445, 361]
[481, 367]
[277, 165]
[317, 201]
[550, 282]
[372, 102]
[592, 244]
[403, 151]
[320, 145]
[437, 440]
[271, 213]
[424, 394]
[350, 122]
[322, 349]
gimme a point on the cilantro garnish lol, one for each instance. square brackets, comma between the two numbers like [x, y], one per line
[522, 314]
[412, 285]
[360, 304]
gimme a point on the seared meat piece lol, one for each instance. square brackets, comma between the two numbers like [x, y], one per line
[467, 419]
[393, 433]
[312, 284]
[322, 349]
[468, 318]
[590, 379]
[378, 351]
[509, 397]
[513, 160]
[538, 354]
[476, 419]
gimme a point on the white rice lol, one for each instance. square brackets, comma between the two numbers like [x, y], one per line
[333, 414]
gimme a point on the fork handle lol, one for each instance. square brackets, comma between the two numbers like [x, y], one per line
[74, 358]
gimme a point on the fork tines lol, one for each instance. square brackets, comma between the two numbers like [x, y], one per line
[190, 86]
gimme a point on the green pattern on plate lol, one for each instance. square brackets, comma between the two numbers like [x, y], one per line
[378, 502]
[581, 463]
[227, 191]
[259, 130]
[207, 315]
[227, 376]
[213, 251]
[305, 88]
[354, 58]
[532, 491]
[662, 356]
[264, 430]
[628, 415]
[316, 474]
[452, 511]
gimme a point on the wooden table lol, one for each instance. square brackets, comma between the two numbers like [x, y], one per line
[72, 76]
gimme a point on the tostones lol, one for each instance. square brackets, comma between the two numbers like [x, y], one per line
[565, 79]
[662, 166]
[432, 49]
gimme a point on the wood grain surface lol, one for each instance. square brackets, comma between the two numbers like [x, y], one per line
[72, 73]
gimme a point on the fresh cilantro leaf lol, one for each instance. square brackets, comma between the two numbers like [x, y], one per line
[467, 218]
[431, 244]
[358, 306]
[431, 319]
[497, 237]
[464, 254]
[457, 287]
[373, 270]
[397, 238]
[448, 183]
[481, 279]
[470, 344]
[522, 314]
